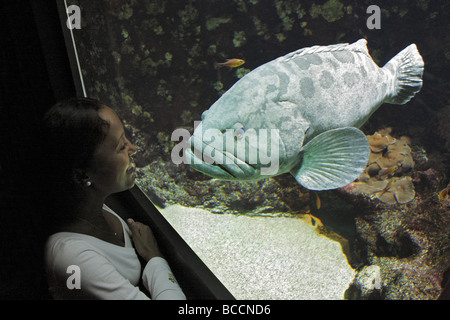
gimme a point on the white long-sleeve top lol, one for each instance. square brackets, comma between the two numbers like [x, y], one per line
[106, 270]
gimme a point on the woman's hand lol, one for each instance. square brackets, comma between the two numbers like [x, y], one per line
[143, 239]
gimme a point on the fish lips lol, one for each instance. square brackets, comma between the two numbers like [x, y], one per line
[217, 163]
[214, 153]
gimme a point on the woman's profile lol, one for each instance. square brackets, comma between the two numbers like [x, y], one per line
[87, 157]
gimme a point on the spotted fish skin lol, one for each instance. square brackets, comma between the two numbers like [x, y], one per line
[315, 90]
[338, 87]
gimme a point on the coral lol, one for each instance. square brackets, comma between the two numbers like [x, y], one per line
[444, 196]
[150, 67]
[388, 155]
[168, 57]
[188, 15]
[315, 10]
[261, 28]
[394, 190]
[116, 57]
[212, 49]
[155, 8]
[213, 23]
[332, 10]
[163, 91]
[281, 37]
[383, 178]
[284, 9]
[218, 86]
[126, 12]
[125, 34]
[240, 72]
[239, 39]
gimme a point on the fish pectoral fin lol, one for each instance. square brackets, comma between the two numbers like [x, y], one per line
[333, 159]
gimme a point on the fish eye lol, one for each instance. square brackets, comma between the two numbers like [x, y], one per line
[239, 130]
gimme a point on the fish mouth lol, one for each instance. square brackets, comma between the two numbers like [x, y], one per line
[217, 163]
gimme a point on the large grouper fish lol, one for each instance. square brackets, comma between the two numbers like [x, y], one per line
[300, 113]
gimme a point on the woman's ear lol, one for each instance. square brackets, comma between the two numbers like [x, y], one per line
[81, 178]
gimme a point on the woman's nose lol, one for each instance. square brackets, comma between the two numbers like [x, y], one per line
[132, 150]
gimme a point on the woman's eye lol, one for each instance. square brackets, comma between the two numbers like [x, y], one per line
[123, 146]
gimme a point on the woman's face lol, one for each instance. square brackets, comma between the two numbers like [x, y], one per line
[112, 169]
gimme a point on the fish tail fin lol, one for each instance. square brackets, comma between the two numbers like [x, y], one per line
[407, 67]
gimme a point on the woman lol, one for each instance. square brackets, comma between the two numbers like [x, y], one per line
[91, 254]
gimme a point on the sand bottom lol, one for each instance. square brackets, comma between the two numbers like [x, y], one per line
[265, 257]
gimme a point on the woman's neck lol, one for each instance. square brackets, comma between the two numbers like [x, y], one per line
[91, 219]
[90, 210]
[90, 204]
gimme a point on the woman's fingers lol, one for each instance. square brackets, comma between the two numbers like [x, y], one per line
[143, 239]
[134, 226]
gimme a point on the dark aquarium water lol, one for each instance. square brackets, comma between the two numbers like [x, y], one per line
[155, 63]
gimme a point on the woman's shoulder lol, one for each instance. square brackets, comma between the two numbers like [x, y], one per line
[61, 243]
[64, 249]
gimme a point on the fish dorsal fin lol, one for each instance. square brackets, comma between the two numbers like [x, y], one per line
[333, 159]
[358, 46]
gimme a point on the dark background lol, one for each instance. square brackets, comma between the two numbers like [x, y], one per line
[35, 73]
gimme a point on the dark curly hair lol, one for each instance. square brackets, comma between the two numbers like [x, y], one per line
[72, 130]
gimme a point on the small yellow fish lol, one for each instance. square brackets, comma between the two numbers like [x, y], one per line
[232, 63]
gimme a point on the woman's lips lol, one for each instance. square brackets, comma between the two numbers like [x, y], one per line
[131, 168]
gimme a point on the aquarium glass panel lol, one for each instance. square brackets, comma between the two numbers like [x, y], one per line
[160, 64]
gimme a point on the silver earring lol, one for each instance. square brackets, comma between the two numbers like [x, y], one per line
[88, 183]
